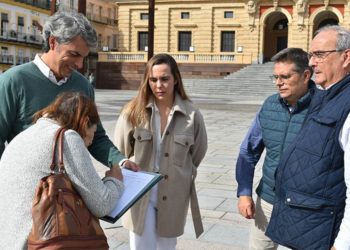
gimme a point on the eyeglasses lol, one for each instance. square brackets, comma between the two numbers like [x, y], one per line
[320, 55]
[281, 77]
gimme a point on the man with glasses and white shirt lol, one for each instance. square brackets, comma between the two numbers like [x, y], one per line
[274, 128]
[312, 197]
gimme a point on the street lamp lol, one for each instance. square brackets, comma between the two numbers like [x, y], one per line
[150, 28]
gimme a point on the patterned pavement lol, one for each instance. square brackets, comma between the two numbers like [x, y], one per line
[227, 119]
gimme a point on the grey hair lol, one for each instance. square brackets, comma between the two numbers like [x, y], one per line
[65, 26]
[343, 36]
[296, 56]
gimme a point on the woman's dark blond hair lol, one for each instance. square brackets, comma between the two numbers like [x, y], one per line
[136, 108]
[72, 110]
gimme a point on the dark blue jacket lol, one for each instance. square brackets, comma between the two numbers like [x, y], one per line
[310, 188]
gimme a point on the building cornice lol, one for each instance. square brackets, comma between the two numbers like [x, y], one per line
[129, 2]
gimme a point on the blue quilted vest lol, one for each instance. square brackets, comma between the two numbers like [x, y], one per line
[279, 128]
[310, 188]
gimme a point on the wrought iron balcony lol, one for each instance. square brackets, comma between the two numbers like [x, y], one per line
[6, 59]
[21, 59]
[43, 4]
[101, 19]
[10, 59]
[13, 36]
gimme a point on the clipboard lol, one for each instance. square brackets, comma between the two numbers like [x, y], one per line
[136, 185]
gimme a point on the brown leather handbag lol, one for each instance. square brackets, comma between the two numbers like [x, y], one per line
[61, 219]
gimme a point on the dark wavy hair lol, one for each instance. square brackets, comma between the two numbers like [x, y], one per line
[72, 110]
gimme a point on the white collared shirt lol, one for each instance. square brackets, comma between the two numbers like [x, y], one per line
[322, 88]
[158, 137]
[342, 242]
[47, 72]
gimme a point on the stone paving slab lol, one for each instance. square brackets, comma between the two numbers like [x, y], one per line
[229, 235]
[227, 121]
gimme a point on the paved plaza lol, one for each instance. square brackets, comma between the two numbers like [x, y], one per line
[227, 120]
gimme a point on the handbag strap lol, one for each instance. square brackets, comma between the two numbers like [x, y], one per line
[58, 140]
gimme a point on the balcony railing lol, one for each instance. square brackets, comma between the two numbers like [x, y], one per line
[10, 59]
[43, 4]
[6, 59]
[122, 57]
[21, 60]
[21, 37]
[101, 19]
[191, 57]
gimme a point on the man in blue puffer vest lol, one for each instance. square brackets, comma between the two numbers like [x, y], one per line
[274, 129]
[311, 191]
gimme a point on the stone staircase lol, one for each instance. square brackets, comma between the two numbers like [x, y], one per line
[252, 81]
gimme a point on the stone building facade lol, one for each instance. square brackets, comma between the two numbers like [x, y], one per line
[20, 36]
[251, 30]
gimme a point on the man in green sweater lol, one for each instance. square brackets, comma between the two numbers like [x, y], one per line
[27, 88]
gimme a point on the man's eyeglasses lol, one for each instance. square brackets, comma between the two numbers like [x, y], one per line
[281, 77]
[321, 54]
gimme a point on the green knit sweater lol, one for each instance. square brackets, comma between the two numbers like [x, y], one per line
[24, 90]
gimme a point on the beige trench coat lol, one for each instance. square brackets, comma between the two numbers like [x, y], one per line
[184, 146]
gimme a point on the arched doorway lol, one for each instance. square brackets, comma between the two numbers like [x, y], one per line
[325, 18]
[275, 34]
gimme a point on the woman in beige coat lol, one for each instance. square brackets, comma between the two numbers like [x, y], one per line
[163, 132]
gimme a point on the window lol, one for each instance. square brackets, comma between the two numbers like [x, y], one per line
[4, 51]
[20, 24]
[144, 16]
[71, 4]
[109, 42]
[91, 7]
[32, 55]
[109, 13]
[114, 41]
[4, 23]
[35, 31]
[6, 56]
[99, 41]
[143, 40]
[100, 11]
[185, 40]
[20, 21]
[20, 56]
[228, 14]
[227, 41]
[185, 15]
[115, 13]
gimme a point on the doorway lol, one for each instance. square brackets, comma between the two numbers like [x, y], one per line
[275, 35]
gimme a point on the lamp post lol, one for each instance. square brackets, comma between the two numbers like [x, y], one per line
[82, 7]
[53, 7]
[150, 28]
